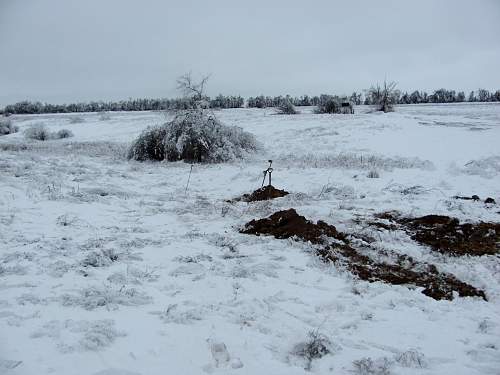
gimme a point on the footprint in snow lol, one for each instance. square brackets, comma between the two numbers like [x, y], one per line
[221, 357]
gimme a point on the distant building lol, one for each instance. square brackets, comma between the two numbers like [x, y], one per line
[347, 108]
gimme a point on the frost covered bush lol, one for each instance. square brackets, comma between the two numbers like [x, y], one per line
[317, 346]
[329, 105]
[80, 335]
[100, 258]
[286, 107]
[193, 136]
[64, 133]
[367, 366]
[411, 359]
[6, 127]
[106, 296]
[487, 167]
[38, 132]
[149, 145]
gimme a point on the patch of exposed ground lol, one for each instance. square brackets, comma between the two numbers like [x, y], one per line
[446, 235]
[263, 194]
[336, 248]
[476, 198]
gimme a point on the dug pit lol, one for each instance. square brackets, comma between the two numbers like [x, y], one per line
[334, 246]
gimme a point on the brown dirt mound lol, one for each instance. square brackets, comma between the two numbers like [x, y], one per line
[286, 224]
[263, 194]
[446, 235]
[289, 224]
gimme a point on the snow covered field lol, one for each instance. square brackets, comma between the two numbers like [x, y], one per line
[108, 266]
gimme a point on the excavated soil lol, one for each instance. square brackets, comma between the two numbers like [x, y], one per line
[263, 194]
[446, 235]
[475, 198]
[336, 248]
[286, 224]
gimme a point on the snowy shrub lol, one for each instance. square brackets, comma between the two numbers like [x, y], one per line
[411, 358]
[100, 258]
[6, 127]
[317, 346]
[134, 275]
[373, 174]
[38, 132]
[83, 335]
[330, 105]
[192, 136]
[183, 314]
[76, 120]
[99, 334]
[367, 366]
[286, 107]
[106, 296]
[149, 145]
[64, 133]
[487, 167]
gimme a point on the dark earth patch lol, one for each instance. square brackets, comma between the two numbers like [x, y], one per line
[446, 235]
[472, 198]
[336, 248]
[475, 198]
[263, 194]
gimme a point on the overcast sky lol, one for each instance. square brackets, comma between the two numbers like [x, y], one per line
[64, 50]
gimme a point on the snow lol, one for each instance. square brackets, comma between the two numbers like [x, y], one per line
[108, 266]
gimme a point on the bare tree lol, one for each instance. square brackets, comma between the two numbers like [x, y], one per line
[384, 97]
[190, 88]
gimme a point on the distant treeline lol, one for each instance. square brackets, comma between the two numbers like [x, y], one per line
[221, 101]
[445, 96]
[27, 107]
[416, 97]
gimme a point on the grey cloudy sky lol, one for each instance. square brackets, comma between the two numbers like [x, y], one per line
[64, 50]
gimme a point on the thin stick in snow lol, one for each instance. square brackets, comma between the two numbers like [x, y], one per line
[189, 178]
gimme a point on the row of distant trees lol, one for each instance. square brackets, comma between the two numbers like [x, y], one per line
[441, 96]
[305, 100]
[371, 98]
[222, 101]
[27, 107]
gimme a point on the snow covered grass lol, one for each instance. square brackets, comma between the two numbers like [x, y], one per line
[108, 263]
